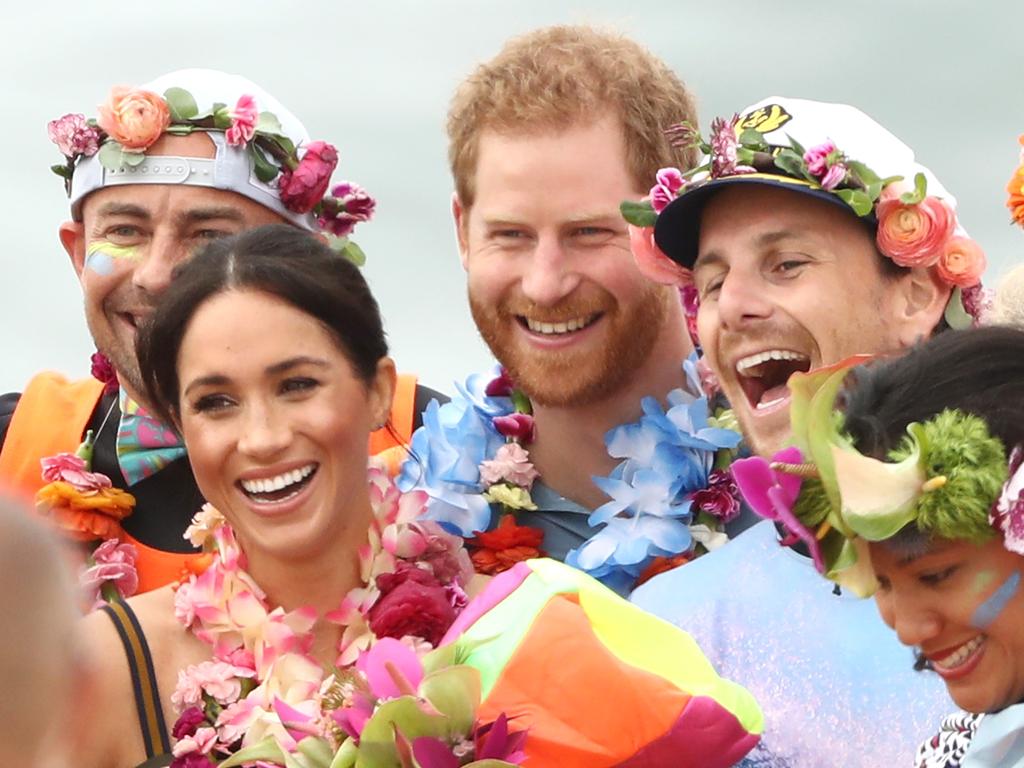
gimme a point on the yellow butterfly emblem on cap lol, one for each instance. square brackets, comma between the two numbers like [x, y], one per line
[765, 119]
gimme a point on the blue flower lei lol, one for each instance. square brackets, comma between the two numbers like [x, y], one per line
[668, 456]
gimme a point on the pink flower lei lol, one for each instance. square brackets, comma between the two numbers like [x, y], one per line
[262, 682]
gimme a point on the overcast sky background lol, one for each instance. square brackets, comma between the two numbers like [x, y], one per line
[375, 79]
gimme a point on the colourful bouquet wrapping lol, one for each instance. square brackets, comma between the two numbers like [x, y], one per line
[594, 680]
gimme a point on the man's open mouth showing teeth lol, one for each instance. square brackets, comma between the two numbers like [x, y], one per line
[763, 375]
[268, 490]
[568, 326]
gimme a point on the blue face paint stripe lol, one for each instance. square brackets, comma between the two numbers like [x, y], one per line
[99, 262]
[989, 610]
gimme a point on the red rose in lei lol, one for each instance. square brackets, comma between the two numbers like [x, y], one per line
[412, 602]
[301, 189]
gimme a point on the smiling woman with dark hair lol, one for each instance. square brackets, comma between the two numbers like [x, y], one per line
[905, 479]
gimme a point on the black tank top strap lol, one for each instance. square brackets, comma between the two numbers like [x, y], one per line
[147, 696]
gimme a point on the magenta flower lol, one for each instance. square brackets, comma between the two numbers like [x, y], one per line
[501, 386]
[834, 176]
[516, 426]
[103, 370]
[349, 205]
[192, 760]
[660, 198]
[114, 563]
[74, 136]
[670, 182]
[511, 464]
[302, 188]
[772, 494]
[243, 121]
[724, 146]
[1007, 514]
[721, 497]
[817, 158]
[977, 302]
[494, 741]
[188, 722]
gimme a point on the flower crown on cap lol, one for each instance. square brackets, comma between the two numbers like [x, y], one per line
[950, 477]
[133, 119]
[914, 229]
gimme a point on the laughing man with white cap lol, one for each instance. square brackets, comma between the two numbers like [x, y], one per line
[812, 234]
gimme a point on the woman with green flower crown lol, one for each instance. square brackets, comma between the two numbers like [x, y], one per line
[912, 489]
[330, 627]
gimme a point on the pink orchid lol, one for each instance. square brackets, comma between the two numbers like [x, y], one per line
[772, 494]
[243, 121]
[69, 468]
[114, 563]
[517, 426]
[74, 136]
[511, 463]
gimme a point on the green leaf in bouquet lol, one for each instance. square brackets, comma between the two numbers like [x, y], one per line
[266, 750]
[317, 751]
[857, 199]
[490, 763]
[455, 693]
[346, 755]
[405, 714]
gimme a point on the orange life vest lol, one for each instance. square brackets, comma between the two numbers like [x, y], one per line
[52, 415]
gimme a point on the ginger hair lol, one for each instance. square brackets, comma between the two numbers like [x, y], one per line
[554, 78]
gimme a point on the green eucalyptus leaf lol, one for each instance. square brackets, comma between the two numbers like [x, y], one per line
[265, 170]
[874, 190]
[222, 118]
[920, 191]
[61, 170]
[857, 199]
[863, 173]
[202, 115]
[751, 138]
[181, 104]
[132, 158]
[111, 155]
[790, 162]
[353, 253]
[267, 122]
[796, 146]
[638, 213]
[181, 129]
[267, 750]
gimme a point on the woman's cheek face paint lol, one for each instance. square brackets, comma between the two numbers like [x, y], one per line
[103, 256]
[989, 611]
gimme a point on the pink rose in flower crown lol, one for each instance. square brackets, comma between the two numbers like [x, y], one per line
[913, 235]
[133, 117]
[302, 188]
[652, 263]
[114, 563]
[72, 469]
[511, 463]
[243, 121]
[74, 136]
[962, 262]
[412, 602]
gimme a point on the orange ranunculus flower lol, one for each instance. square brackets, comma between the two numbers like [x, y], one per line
[85, 515]
[498, 550]
[914, 235]
[134, 118]
[1015, 202]
[962, 262]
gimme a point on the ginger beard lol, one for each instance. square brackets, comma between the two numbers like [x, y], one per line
[578, 374]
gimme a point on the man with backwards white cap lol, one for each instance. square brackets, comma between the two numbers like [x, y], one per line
[812, 236]
[192, 156]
